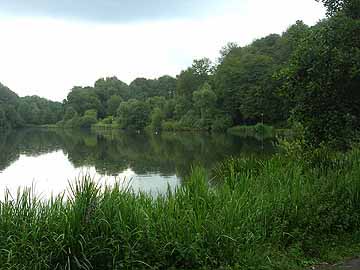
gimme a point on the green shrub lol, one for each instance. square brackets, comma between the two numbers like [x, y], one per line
[168, 125]
[221, 123]
[108, 120]
[87, 121]
[157, 116]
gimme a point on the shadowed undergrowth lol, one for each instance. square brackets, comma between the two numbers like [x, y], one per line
[279, 213]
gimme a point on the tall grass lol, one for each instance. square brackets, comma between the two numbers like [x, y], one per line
[269, 214]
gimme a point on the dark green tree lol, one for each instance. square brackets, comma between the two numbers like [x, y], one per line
[113, 104]
[205, 101]
[157, 117]
[133, 114]
[324, 79]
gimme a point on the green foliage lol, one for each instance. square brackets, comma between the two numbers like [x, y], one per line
[113, 104]
[310, 74]
[244, 82]
[69, 113]
[142, 88]
[73, 122]
[133, 114]
[89, 119]
[182, 106]
[157, 117]
[350, 8]
[166, 86]
[108, 120]
[83, 99]
[105, 88]
[273, 214]
[156, 102]
[189, 120]
[109, 93]
[193, 78]
[323, 79]
[7, 96]
[39, 111]
[226, 50]
[241, 85]
[205, 100]
[169, 126]
[3, 122]
[9, 117]
[221, 123]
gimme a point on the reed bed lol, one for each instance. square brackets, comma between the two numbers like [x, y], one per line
[271, 214]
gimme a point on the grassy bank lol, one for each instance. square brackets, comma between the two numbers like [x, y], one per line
[281, 213]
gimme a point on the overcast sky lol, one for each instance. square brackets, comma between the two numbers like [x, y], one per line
[48, 46]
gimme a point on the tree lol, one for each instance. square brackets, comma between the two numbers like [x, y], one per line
[13, 117]
[35, 110]
[166, 86]
[245, 87]
[205, 100]
[156, 102]
[157, 117]
[169, 108]
[323, 78]
[3, 120]
[193, 78]
[133, 114]
[351, 8]
[105, 89]
[226, 50]
[83, 99]
[7, 96]
[89, 118]
[142, 88]
[202, 68]
[69, 113]
[113, 104]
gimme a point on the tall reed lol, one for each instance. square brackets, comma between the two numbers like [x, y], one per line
[263, 214]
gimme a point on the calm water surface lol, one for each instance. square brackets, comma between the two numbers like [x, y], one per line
[49, 159]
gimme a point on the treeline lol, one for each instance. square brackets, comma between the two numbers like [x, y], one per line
[308, 75]
[239, 88]
[18, 111]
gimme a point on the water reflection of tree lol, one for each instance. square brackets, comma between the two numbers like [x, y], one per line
[112, 152]
[31, 142]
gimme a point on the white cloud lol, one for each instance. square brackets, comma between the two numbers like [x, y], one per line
[47, 57]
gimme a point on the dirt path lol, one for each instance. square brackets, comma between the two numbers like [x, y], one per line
[353, 264]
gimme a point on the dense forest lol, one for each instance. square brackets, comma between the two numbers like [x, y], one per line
[308, 76]
[18, 111]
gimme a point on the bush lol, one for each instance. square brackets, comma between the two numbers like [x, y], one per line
[157, 117]
[222, 123]
[73, 122]
[86, 121]
[107, 121]
[188, 120]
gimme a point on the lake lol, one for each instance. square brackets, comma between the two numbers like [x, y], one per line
[48, 160]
